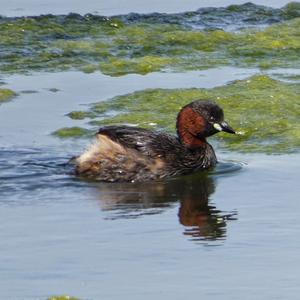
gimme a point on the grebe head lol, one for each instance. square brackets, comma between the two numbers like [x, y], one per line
[198, 120]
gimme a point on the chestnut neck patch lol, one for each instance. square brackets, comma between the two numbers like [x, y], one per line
[189, 125]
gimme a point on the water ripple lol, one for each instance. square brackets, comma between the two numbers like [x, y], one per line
[33, 170]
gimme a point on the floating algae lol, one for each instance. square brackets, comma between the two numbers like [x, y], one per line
[231, 17]
[6, 95]
[265, 109]
[145, 43]
[68, 132]
[79, 115]
[65, 297]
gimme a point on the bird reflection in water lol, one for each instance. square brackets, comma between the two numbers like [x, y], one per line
[202, 221]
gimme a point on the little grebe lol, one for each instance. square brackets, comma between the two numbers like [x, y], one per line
[124, 153]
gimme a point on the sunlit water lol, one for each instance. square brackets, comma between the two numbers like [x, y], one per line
[231, 233]
[228, 234]
[219, 234]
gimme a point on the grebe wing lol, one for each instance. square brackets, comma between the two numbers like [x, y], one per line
[146, 141]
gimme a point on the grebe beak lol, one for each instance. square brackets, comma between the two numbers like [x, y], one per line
[223, 127]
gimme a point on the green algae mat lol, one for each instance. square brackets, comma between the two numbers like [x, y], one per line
[62, 298]
[6, 95]
[265, 109]
[157, 42]
[247, 35]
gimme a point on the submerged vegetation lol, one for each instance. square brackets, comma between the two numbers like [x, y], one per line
[66, 297]
[265, 109]
[245, 35]
[72, 132]
[6, 95]
[145, 43]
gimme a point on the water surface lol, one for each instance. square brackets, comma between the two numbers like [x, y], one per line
[214, 235]
[219, 234]
[231, 233]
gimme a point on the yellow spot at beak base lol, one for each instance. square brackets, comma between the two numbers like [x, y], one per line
[217, 126]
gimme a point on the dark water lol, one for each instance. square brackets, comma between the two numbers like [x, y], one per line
[226, 18]
[113, 7]
[231, 16]
[28, 174]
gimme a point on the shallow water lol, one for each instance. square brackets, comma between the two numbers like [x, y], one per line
[47, 106]
[45, 98]
[213, 235]
[222, 234]
[230, 234]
